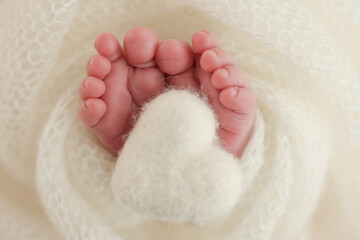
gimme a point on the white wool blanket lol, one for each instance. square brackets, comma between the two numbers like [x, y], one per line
[298, 178]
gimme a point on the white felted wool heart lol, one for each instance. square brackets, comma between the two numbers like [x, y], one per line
[171, 167]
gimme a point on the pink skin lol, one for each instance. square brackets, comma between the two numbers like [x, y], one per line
[120, 81]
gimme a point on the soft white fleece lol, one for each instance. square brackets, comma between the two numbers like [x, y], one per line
[171, 167]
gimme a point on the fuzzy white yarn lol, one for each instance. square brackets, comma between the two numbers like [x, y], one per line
[171, 167]
[299, 171]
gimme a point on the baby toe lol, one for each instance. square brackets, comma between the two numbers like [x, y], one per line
[91, 87]
[108, 46]
[91, 111]
[140, 44]
[228, 76]
[203, 40]
[239, 100]
[174, 56]
[215, 58]
[98, 66]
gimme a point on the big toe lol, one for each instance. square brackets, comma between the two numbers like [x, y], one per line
[174, 56]
[140, 44]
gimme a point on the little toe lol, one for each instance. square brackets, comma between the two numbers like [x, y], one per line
[229, 76]
[215, 58]
[98, 66]
[108, 46]
[174, 56]
[203, 40]
[91, 87]
[140, 44]
[91, 111]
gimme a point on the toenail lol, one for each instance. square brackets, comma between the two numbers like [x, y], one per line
[86, 83]
[233, 91]
[86, 105]
[224, 72]
[213, 53]
[90, 61]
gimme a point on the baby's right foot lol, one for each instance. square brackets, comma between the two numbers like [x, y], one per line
[119, 82]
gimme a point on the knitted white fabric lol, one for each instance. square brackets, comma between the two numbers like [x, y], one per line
[300, 169]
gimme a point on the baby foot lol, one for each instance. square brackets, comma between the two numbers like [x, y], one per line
[120, 81]
[225, 87]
